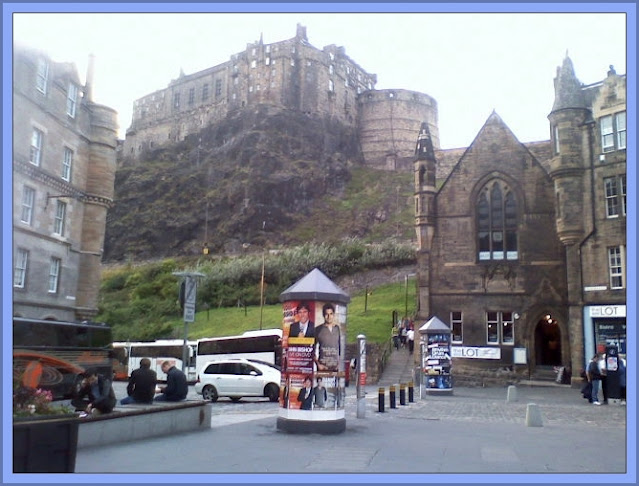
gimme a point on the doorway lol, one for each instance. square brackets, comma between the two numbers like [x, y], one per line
[547, 342]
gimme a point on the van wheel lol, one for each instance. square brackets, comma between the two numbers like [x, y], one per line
[272, 392]
[209, 393]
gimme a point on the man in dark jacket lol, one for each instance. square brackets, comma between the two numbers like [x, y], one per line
[95, 394]
[141, 387]
[176, 387]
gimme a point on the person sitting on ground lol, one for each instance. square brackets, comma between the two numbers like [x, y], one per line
[176, 387]
[142, 383]
[94, 394]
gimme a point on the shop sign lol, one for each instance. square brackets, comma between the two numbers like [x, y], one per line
[475, 352]
[608, 311]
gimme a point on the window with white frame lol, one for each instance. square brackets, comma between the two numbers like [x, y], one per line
[60, 217]
[20, 270]
[613, 132]
[616, 264]
[54, 275]
[72, 100]
[615, 192]
[42, 76]
[67, 164]
[456, 322]
[35, 154]
[500, 327]
[496, 223]
[28, 201]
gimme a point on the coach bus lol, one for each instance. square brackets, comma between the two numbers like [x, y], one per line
[263, 345]
[127, 356]
[52, 354]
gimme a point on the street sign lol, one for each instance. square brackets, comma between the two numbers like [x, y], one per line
[190, 293]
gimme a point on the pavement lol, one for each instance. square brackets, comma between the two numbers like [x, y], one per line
[473, 435]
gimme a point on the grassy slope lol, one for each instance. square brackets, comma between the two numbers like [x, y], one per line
[371, 317]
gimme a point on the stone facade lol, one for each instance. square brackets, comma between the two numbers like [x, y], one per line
[63, 174]
[522, 246]
[290, 74]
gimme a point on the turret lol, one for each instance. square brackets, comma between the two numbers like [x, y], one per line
[425, 165]
[570, 122]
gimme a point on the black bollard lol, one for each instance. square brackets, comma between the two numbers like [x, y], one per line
[402, 394]
[411, 392]
[392, 396]
[380, 399]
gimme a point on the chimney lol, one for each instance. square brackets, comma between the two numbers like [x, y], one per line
[88, 86]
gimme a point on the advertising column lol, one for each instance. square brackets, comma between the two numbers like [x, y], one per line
[436, 357]
[313, 350]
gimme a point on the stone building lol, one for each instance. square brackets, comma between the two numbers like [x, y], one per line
[522, 247]
[63, 174]
[294, 75]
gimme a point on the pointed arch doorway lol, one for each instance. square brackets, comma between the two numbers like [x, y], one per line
[547, 342]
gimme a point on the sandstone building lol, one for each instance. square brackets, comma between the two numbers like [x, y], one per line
[63, 173]
[522, 247]
[291, 74]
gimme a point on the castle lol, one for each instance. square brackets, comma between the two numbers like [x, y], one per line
[522, 247]
[294, 75]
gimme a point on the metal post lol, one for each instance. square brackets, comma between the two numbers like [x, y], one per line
[380, 400]
[392, 396]
[402, 394]
[361, 376]
[190, 294]
[411, 392]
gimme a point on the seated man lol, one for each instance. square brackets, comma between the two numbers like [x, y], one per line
[141, 387]
[95, 394]
[176, 387]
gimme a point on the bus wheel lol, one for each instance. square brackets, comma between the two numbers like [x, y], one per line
[209, 393]
[272, 392]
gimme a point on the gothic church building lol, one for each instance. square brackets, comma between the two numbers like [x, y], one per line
[522, 247]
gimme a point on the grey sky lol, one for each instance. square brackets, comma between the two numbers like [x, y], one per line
[470, 63]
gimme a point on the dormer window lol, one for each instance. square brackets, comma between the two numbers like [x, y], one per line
[42, 78]
[72, 100]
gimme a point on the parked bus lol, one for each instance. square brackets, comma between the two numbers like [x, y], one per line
[52, 354]
[127, 356]
[264, 345]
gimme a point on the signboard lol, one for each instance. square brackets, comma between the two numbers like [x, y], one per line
[519, 356]
[475, 352]
[608, 311]
[190, 293]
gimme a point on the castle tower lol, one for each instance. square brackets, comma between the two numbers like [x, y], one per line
[572, 128]
[425, 166]
[389, 122]
[100, 179]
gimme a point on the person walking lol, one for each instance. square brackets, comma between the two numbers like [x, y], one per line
[410, 337]
[142, 383]
[176, 387]
[594, 377]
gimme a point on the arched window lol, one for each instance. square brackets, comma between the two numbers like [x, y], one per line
[496, 223]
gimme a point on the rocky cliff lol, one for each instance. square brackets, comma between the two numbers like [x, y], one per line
[261, 177]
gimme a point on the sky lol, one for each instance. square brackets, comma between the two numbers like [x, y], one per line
[471, 63]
